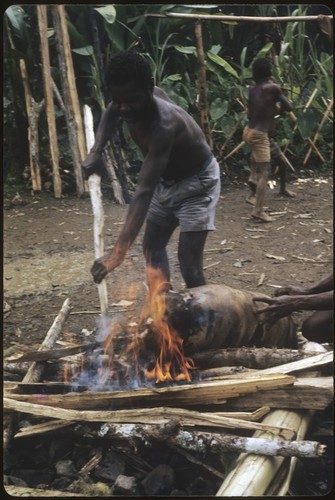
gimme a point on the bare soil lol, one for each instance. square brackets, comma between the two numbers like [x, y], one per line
[48, 252]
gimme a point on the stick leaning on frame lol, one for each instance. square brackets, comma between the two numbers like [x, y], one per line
[94, 183]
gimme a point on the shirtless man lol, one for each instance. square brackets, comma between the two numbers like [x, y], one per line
[319, 327]
[264, 99]
[179, 181]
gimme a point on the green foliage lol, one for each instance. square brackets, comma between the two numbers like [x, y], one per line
[300, 63]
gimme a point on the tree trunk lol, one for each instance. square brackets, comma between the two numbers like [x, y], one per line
[203, 100]
[73, 114]
[50, 110]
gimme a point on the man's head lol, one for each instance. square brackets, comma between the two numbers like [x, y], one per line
[261, 69]
[129, 66]
[131, 84]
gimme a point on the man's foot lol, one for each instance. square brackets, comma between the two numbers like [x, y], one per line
[251, 199]
[287, 193]
[262, 217]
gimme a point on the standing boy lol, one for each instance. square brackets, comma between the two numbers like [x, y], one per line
[264, 98]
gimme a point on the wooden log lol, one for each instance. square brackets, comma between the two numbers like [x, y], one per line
[213, 392]
[253, 473]
[248, 357]
[212, 442]
[309, 363]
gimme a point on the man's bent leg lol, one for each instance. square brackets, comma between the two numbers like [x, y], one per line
[155, 240]
[319, 327]
[190, 255]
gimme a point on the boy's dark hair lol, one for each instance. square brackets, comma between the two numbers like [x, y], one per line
[129, 66]
[261, 69]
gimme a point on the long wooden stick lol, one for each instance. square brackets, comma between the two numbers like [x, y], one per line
[94, 183]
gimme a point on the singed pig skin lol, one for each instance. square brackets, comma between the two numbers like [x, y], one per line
[218, 316]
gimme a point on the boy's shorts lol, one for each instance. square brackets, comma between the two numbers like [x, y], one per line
[189, 203]
[259, 144]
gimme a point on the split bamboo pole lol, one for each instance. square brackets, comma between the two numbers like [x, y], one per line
[94, 183]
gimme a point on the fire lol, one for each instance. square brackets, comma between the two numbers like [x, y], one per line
[171, 363]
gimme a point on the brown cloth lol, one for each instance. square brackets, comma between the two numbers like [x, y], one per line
[259, 144]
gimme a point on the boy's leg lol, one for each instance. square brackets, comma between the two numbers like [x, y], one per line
[262, 171]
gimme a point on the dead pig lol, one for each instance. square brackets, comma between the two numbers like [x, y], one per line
[218, 316]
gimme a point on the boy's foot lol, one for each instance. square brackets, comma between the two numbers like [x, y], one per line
[262, 217]
[287, 193]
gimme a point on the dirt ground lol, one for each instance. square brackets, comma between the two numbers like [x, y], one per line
[48, 252]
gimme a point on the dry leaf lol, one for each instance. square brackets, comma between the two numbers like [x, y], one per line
[261, 280]
[123, 303]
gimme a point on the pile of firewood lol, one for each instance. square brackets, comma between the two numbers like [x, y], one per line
[239, 425]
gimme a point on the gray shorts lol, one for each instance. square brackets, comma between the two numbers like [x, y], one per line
[189, 203]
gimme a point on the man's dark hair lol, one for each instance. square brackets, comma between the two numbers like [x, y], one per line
[129, 66]
[261, 69]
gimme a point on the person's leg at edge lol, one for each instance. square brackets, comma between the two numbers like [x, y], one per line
[155, 240]
[190, 254]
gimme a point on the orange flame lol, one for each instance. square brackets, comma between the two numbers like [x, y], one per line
[171, 363]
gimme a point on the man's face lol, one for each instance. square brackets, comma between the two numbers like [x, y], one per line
[131, 101]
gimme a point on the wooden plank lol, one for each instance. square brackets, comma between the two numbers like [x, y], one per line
[208, 392]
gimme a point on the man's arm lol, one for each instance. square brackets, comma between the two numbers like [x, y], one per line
[324, 285]
[285, 103]
[93, 162]
[284, 305]
[152, 168]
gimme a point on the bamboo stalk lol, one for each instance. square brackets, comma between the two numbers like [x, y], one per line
[252, 473]
[94, 183]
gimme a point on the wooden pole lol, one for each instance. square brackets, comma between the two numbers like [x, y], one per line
[50, 110]
[70, 94]
[203, 99]
[33, 113]
[94, 183]
[257, 19]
